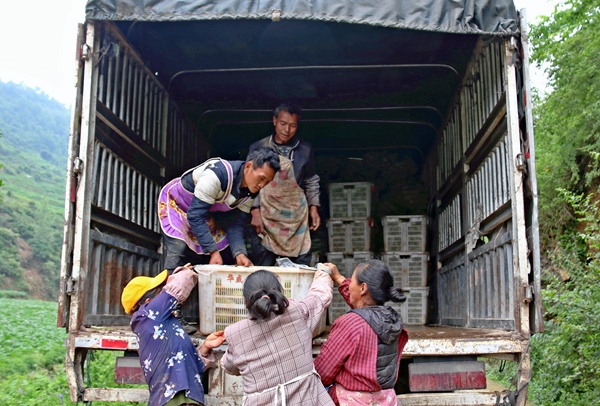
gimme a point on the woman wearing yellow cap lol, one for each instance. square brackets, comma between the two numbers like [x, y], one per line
[172, 366]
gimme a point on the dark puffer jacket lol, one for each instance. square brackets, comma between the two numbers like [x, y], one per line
[387, 324]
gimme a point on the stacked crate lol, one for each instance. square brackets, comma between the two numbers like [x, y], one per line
[349, 232]
[404, 239]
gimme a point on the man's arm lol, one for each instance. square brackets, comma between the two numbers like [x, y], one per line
[256, 202]
[313, 198]
[310, 181]
[235, 235]
[312, 190]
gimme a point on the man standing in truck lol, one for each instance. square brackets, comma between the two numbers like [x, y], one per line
[196, 210]
[281, 213]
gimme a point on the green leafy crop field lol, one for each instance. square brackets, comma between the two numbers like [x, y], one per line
[32, 357]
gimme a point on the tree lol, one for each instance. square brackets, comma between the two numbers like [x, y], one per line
[568, 118]
[565, 358]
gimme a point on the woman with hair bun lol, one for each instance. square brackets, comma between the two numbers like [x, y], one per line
[360, 360]
[272, 349]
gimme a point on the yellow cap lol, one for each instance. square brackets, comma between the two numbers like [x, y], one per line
[137, 288]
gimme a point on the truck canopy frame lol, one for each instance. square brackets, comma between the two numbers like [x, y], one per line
[381, 67]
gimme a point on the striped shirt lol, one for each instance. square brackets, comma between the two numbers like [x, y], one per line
[349, 356]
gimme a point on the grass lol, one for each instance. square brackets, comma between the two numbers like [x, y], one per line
[29, 178]
[32, 357]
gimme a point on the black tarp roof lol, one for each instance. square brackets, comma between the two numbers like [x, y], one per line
[452, 16]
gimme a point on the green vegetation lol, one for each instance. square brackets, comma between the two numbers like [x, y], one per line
[33, 151]
[0, 167]
[566, 370]
[32, 357]
[567, 356]
[567, 125]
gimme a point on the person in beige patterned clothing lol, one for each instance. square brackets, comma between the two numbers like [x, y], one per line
[272, 349]
[287, 209]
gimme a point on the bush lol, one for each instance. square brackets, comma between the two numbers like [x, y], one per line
[566, 358]
[13, 294]
[9, 254]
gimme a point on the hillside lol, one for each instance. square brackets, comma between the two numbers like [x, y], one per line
[33, 153]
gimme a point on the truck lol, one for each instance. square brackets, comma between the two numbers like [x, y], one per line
[435, 95]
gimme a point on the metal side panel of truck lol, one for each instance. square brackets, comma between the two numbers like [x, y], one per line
[163, 86]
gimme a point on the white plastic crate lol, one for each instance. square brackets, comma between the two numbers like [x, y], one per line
[349, 235]
[404, 233]
[346, 265]
[414, 309]
[350, 200]
[221, 297]
[408, 270]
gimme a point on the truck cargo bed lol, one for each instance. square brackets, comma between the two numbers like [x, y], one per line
[423, 341]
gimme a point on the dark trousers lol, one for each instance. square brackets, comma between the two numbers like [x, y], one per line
[177, 253]
[260, 256]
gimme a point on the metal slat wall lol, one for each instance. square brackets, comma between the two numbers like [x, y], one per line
[481, 93]
[480, 294]
[491, 274]
[483, 90]
[124, 191]
[134, 95]
[449, 224]
[453, 308]
[130, 91]
[183, 137]
[451, 147]
[488, 188]
[113, 263]
[142, 139]
[477, 193]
